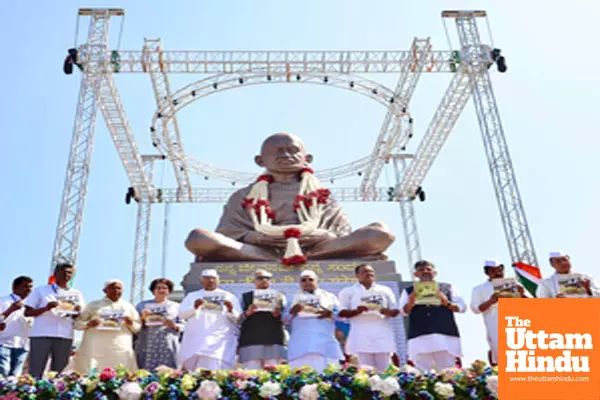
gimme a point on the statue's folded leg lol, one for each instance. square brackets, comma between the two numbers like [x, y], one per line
[212, 246]
[370, 240]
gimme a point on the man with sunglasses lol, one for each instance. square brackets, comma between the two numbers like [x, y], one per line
[484, 301]
[369, 307]
[262, 334]
[312, 342]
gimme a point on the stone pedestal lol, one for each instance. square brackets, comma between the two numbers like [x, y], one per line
[340, 271]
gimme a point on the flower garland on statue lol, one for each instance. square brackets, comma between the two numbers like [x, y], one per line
[309, 204]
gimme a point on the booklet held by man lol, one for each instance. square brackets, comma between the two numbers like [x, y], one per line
[506, 288]
[571, 285]
[311, 305]
[110, 320]
[373, 301]
[426, 293]
[66, 304]
[265, 300]
[213, 302]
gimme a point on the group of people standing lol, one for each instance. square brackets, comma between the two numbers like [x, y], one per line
[212, 329]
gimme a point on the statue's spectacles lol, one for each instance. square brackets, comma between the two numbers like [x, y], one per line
[306, 280]
[263, 278]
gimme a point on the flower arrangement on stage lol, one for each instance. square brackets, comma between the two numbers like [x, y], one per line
[274, 382]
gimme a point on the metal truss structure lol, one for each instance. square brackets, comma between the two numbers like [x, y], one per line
[225, 70]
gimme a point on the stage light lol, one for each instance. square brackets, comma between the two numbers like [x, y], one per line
[206, 178]
[359, 173]
[154, 144]
[175, 102]
[152, 129]
[193, 93]
[232, 183]
[216, 85]
[326, 79]
[392, 100]
[403, 148]
[159, 115]
[351, 84]
[269, 77]
[403, 109]
[241, 80]
[298, 77]
[410, 120]
[410, 135]
[374, 91]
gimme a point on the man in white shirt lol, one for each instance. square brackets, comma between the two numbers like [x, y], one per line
[561, 262]
[211, 333]
[369, 307]
[484, 301]
[312, 342]
[14, 328]
[53, 307]
[433, 337]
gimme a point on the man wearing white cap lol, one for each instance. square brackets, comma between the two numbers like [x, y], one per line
[262, 335]
[109, 325]
[210, 338]
[369, 307]
[484, 301]
[561, 263]
[312, 342]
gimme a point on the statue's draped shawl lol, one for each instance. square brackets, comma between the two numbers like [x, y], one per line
[236, 222]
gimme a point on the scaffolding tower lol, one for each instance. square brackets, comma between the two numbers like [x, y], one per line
[223, 70]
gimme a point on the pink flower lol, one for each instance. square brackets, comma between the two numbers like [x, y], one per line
[152, 388]
[10, 396]
[238, 374]
[309, 392]
[270, 367]
[240, 384]
[108, 374]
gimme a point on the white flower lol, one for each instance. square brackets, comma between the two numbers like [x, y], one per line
[163, 370]
[492, 384]
[410, 370]
[270, 389]
[208, 390]
[374, 382]
[444, 389]
[389, 386]
[309, 392]
[130, 391]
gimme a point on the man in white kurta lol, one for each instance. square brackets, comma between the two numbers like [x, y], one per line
[484, 301]
[109, 325]
[433, 338]
[312, 341]
[561, 262]
[369, 307]
[210, 338]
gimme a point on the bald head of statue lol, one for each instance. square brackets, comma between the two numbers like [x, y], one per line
[283, 153]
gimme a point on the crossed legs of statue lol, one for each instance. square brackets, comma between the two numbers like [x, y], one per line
[369, 241]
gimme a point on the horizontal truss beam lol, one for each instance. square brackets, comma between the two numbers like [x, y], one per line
[229, 62]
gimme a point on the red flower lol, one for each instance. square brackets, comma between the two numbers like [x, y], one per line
[294, 260]
[292, 233]
[108, 374]
[270, 213]
[266, 178]
[306, 169]
[270, 368]
[259, 204]
[247, 202]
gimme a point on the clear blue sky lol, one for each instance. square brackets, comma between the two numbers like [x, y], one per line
[547, 100]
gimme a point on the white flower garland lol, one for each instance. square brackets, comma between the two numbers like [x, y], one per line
[309, 204]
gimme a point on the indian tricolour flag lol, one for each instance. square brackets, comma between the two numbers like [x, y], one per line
[529, 276]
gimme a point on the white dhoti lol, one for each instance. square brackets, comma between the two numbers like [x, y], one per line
[204, 362]
[315, 361]
[379, 361]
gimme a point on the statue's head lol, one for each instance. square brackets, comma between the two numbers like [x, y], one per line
[283, 153]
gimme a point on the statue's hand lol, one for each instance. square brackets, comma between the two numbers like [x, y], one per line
[260, 239]
[315, 237]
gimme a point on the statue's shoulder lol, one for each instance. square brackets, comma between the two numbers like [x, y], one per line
[240, 193]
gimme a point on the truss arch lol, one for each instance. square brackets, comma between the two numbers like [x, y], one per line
[222, 82]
